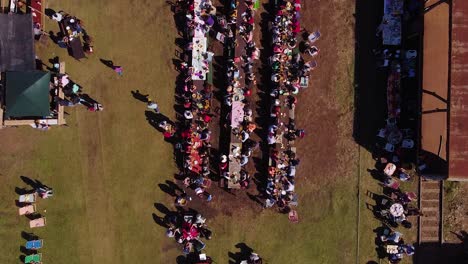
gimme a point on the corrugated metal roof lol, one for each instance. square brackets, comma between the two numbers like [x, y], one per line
[458, 130]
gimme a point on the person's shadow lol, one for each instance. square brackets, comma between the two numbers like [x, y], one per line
[49, 12]
[108, 63]
[35, 184]
[139, 96]
[243, 254]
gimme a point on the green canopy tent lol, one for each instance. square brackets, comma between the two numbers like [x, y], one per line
[27, 94]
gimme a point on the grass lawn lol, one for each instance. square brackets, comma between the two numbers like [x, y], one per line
[105, 167]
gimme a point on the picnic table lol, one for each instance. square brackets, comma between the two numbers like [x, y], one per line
[195, 159]
[198, 57]
[397, 209]
[393, 7]
[393, 89]
[40, 222]
[391, 31]
[234, 167]
[237, 114]
[390, 169]
[75, 46]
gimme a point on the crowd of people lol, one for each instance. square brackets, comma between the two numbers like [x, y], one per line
[288, 70]
[187, 230]
[395, 143]
[73, 93]
[395, 205]
[191, 134]
[240, 81]
[394, 245]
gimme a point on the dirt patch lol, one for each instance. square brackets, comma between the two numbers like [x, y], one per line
[456, 210]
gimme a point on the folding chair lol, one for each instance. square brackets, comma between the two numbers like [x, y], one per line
[35, 258]
[26, 210]
[407, 143]
[314, 36]
[34, 244]
[40, 222]
[293, 217]
[27, 198]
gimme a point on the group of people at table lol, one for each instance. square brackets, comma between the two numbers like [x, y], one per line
[188, 229]
[71, 32]
[240, 81]
[193, 135]
[287, 70]
[395, 207]
[394, 144]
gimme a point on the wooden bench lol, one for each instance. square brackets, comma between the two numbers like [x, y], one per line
[60, 109]
[1, 117]
[18, 122]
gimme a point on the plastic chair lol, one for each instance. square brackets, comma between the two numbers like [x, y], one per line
[34, 244]
[389, 147]
[381, 133]
[314, 36]
[27, 198]
[35, 258]
[411, 54]
[407, 143]
[40, 222]
[293, 217]
[26, 210]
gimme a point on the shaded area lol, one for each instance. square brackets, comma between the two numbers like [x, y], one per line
[450, 253]
[370, 83]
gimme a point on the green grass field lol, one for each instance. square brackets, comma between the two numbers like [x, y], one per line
[105, 167]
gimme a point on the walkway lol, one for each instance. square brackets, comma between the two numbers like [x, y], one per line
[430, 204]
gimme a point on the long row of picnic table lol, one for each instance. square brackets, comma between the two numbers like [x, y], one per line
[237, 108]
[199, 51]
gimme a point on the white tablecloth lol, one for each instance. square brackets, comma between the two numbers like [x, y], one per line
[391, 32]
[396, 209]
[237, 114]
[198, 51]
[394, 7]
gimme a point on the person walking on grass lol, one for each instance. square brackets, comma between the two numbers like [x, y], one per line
[152, 105]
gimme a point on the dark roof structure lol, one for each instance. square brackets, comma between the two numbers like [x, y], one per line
[458, 121]
[16, 43]
[27, 94]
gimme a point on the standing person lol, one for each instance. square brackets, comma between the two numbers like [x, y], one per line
[152, 105]
[118, 70]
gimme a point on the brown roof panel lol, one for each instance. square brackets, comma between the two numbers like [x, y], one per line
[458, 135]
